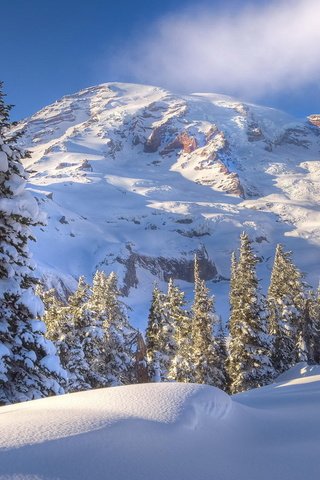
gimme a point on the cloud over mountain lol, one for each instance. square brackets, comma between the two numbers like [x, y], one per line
[253, 51]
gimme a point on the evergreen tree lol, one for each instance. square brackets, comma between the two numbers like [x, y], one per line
[222, 353]
[234, 292]
[204, 351]
[52, 317]
[249, 365]
[29, 367]
[164, 336]
[154, 342]
[180, 367]
[313, 314]
[117, 363]
[140, 360]
[75, 321]
[287, 312]
[160, 336]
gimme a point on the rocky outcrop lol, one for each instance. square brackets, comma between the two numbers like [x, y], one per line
[229, 183]
[180, 268]
[294, 136]
[254, 132]
[154, 140]
[183, 142]
[85, 165]
[314, 120]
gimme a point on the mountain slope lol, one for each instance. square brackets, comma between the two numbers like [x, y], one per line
[167, 431]
[137, 179]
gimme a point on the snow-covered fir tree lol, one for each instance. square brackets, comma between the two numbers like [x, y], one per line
[53, 308]
[309, 331]
[117, 363]
[180, 367]
[207, 366]
[75, 322]
[233, 292]
[92, 334]
[29, 366]
[249, 364]
[315, 316]
[222, 352]
[154, 342]
[141, 373]
[313, 306]
[286, 312]
[160, 335]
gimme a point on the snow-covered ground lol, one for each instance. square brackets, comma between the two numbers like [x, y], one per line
[136, 179]
[167, 431]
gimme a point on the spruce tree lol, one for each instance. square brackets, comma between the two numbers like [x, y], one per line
[75, 323]
[207, 367]
[52, 317]
[154, 342]
[315, 315]
[29, 367]
[286, 312]
[222, 352]
[160, 335]
[249, 364]
[180, 366]
[116, 364]
[312, 326]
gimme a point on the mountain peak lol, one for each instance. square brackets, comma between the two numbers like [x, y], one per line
[144, 178]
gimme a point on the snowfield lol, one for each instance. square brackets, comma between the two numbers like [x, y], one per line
[167, 431]
[136, 179]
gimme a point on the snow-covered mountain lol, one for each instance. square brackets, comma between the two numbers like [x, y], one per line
[137, 179]
[167, 431]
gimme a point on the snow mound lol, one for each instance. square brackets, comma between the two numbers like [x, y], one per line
[166, 431]
[59, 417]
[300, 373]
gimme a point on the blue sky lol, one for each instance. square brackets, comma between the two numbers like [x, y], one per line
[52, 48]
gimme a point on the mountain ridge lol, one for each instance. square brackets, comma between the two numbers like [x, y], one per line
[136, 179]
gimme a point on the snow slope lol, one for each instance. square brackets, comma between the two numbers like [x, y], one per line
[166, 431]
[137, 179]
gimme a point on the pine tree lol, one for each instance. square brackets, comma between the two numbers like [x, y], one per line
[160, 335]
[313, 314]
[140, 360]
[234, 292]
[222, 353]
[117, 363]
[75, 320]
[180, 368]
[249, 364]
[204, 350]
[52, 317]
[153, 335]
[167, 320]
[29, 367]
[286, 312]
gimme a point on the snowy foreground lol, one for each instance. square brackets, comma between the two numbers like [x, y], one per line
[167, 431]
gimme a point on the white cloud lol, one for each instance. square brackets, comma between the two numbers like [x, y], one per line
[251, 52]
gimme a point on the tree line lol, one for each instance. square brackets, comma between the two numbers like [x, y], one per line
[88, 341]
[266, 334]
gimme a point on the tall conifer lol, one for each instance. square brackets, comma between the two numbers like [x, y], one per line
[249, 364]
[29, 367]
[286, 312]
[204, 351]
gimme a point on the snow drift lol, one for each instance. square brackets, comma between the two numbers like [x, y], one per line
[166, 431]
